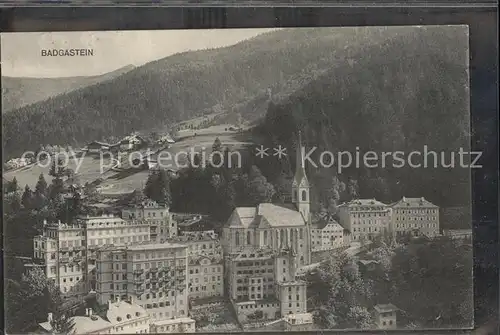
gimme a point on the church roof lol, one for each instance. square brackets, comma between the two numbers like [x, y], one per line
[266, 214]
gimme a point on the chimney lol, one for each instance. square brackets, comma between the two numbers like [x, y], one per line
[45, 222]
[404, 199]
[49, 318]
[90, 312]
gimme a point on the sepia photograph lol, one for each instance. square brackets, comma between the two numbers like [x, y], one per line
[233, 180]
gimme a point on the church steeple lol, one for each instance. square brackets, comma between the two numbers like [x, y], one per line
[300, 185]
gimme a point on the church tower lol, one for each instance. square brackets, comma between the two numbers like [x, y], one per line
[300, 185]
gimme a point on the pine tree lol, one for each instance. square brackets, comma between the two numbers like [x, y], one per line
[41, 186]
[13, 186]
[27, 198]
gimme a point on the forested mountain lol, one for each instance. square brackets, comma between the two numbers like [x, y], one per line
[187, 84]
[406, 93]
[18, 91]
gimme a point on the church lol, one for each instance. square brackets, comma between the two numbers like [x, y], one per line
[263, 247]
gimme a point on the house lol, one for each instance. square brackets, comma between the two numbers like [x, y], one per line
[298, 322]
[165, 139]
[328, 235]
[96, 147]
[131, 142]
[385, 316]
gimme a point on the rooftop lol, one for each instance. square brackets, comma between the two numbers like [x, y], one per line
[382, 308]
[173, 321]
[362, 203]
[267, 214]
[155, 246]
[413, 202]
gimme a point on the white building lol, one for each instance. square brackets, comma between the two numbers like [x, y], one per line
[154, 275]
[365, 218]
[120, 318]
[158, 217]
[386, 316]
[416, 216]
[68, 252]
[328, 235]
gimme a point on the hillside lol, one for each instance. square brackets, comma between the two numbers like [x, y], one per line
[404, 94]
[18, 92]
[189, 84]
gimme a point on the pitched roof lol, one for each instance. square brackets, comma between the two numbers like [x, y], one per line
[362, 202]
[381, 308]
[412, 202]
[266, 214]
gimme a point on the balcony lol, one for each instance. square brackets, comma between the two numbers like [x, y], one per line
[154, 270]
[64, 259]
[138, 272]
[138, 281]
[139, 290]
[154, 280]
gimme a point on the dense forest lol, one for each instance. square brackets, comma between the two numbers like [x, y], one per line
[22, 91]
[409, 92]
[181, 86]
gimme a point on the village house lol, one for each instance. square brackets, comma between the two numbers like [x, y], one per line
[131, 142]
[385, 316]
[97, 147]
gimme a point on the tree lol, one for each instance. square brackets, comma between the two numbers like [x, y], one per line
[360, 317]
[12, 186]
[157, 187]
[352, 189]
[41, 186]
[217, 146]
[56, 188]
[27, 198]
[34, 296]
[259, 189]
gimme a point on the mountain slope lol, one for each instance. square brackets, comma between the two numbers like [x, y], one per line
[403, 95]
[188, 84]
[18, 92]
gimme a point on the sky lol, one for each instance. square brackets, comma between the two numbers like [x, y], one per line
[21, 52]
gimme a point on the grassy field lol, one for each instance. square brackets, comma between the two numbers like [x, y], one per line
[88, 168]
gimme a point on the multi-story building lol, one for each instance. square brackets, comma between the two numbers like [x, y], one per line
[119, 318]
[263, 247]
[154, 275]
[205, 263]
[69, 251]
[328, 235]
[158, 217]
[416, 216]
[365, 218]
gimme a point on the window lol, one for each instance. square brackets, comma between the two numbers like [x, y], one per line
[237, 238]
[248, 238]
[304, 195]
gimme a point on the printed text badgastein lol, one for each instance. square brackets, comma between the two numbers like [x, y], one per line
[67, 52]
